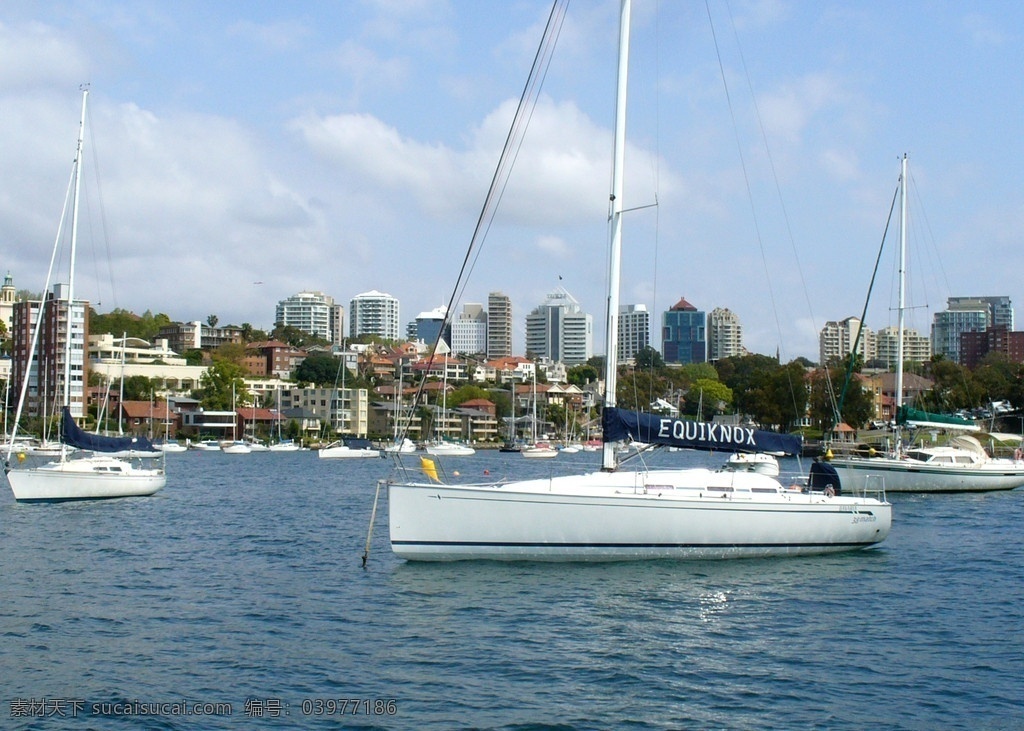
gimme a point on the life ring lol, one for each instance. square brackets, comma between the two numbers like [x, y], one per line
[830, 491]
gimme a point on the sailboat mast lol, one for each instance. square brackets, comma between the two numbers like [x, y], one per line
[615, 249]
[74, 247]
[902, 292]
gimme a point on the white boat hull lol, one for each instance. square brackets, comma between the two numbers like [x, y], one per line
[284, 447]
[539, 452]
[450, 450]
[680, 514]
[347, 453]
[91, 478]
[906, 475]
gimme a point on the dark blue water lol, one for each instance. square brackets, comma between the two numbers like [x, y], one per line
[240, 584]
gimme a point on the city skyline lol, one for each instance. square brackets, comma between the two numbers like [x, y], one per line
[359, 155]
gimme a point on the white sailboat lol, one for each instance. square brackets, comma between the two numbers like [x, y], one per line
[169, 445]
[89, 477]
[282, 445]
[399, 445]
[346, 447]
[440, 446]
[615, 514]
[961, 466]
[235, 445]
[535, 449]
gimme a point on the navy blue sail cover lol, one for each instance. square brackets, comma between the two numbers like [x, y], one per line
[75, 437]
[621, 425]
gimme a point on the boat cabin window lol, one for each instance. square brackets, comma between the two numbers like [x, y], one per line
[720, 488]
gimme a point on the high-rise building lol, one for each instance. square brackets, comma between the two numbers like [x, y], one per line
[1000, 308]
[634, 331]
[46, 377]
[431, 324]
[373, 313]
[560, 330]
[836, 340]
[314, 313]
[917, 348]
[499, 326]
[725, 334]
[684, 334]
[469, 331]
[968, 314]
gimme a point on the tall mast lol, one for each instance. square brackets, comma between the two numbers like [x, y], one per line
[902, 293]
[615, 250]
[71, 260]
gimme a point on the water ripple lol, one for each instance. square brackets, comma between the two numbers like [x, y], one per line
[242, 580]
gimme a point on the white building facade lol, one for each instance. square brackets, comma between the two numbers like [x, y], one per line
[374, 313]
[312, 312]
[560, 330]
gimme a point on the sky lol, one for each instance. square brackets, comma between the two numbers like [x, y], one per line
[240, 152]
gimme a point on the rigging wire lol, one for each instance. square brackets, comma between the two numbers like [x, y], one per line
[104, 228]
[838, 403]
[499, 181]
[509, 154]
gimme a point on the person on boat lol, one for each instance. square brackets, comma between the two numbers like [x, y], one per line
[823, 476]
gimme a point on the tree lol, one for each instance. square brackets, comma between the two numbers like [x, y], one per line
[194, 357]
[321, 369]
[825, 389]
[231, 352]
[467, 393]
[140, 388]
[221, 387]
[212, 320]
[581, 375]
[647, 358]
[708, 396]
[295, 337]
[120, 321]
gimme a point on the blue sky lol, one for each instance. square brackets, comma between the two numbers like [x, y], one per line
[347, 146]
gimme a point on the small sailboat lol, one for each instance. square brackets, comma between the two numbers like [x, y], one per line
[346, 447]
[616, 514]
[535, 449]
[282, 444]
[98, 475]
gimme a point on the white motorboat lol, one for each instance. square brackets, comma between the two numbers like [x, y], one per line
[171, 446]
[236, 447]
[348, 449]
[765, 464]
[405, 446]
[450, 449]
[207, 445]
[539, 450]
[285, 445]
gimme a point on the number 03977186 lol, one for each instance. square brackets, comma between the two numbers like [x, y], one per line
[349, 707]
